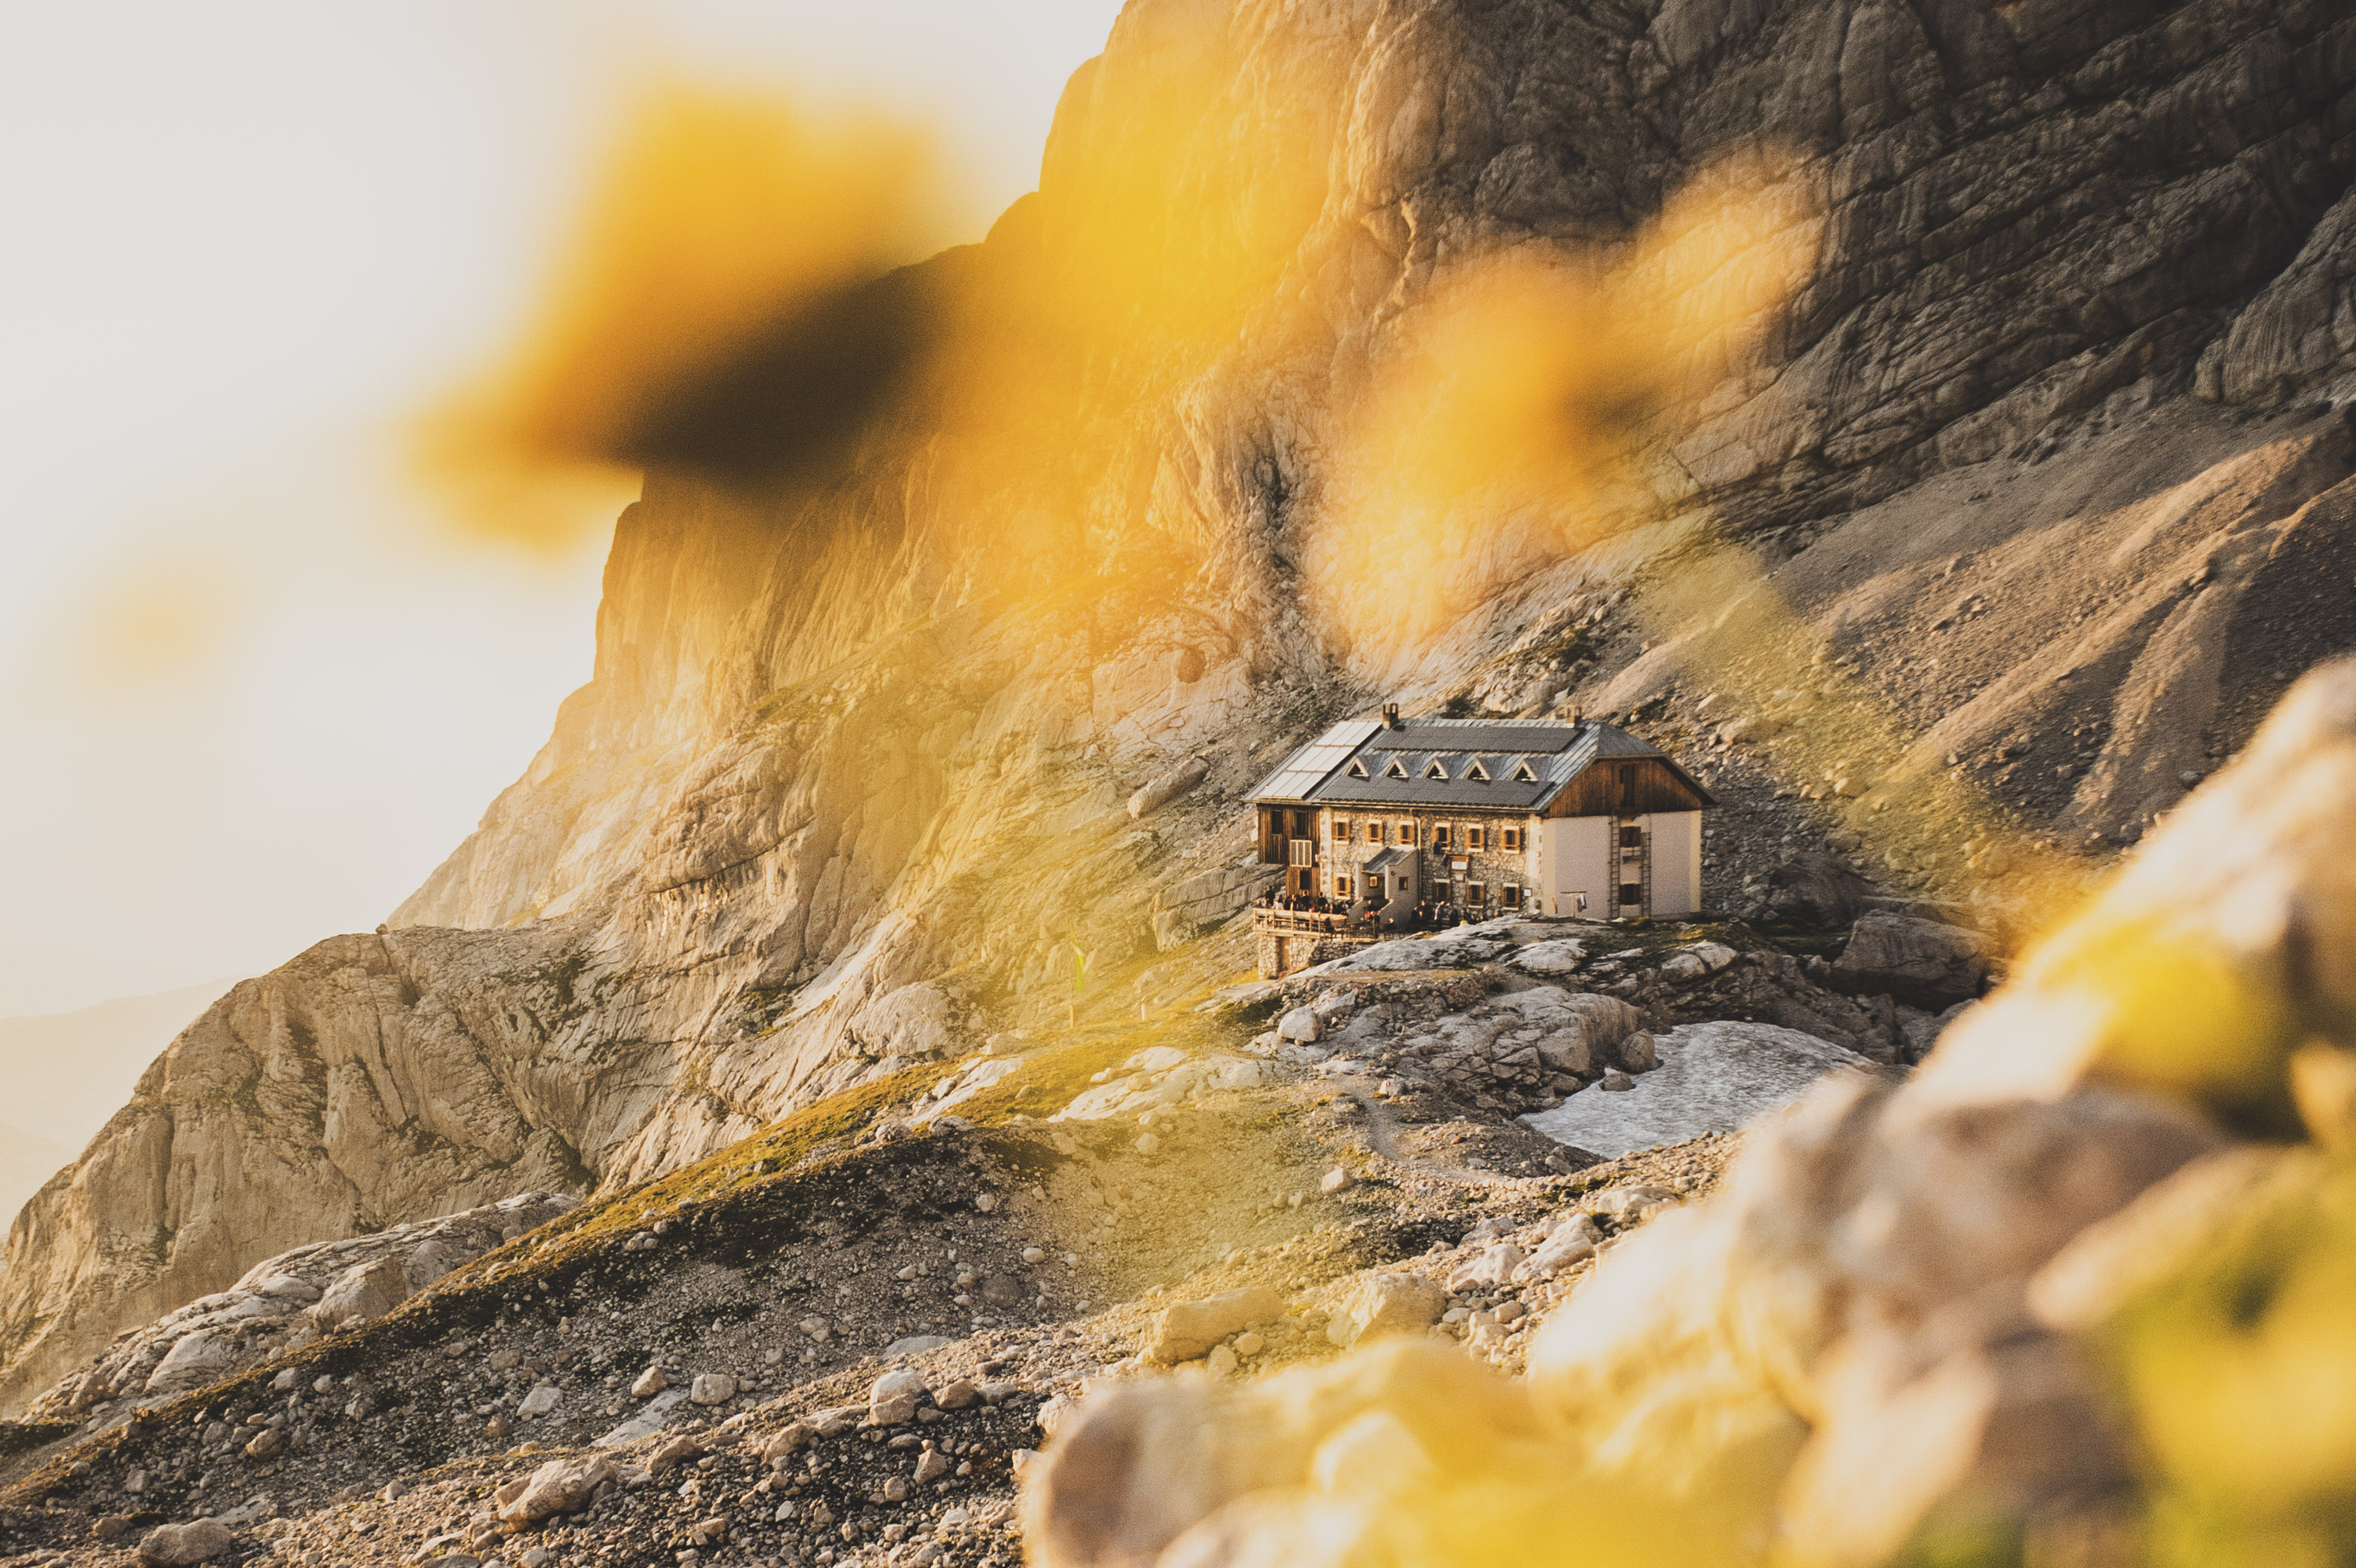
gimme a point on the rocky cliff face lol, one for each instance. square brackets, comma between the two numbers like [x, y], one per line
[2036, 464]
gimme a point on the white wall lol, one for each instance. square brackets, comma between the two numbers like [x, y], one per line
[1575, 856]
[1676, 840]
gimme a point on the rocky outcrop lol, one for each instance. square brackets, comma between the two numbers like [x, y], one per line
[1813, 890]
[1184, 909]
[283, 1303]
[1932, 965]
[857, 736]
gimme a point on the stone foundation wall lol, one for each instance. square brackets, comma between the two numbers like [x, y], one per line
[1279, 952]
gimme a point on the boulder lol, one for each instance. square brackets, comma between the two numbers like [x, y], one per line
[1584, 1030]
[893, 1398]
[1557, 957]
[1386, 1304]
[914, 1345]
[1302, 1025]
[560, 1486]
[1698, 961]
[712, 1388]
[910, 1020]
[364, 1291]
[792, 1439]
[1918, 961]
[1813, 890]
[1495, 1265]
[1630, 1204]
[1570, 1241]
[1166, 787]
[429, 1263]
[1191, 1328]
[172, 1545]
[194, 1359]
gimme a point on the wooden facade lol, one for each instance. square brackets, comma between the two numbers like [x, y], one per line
[1628, 787]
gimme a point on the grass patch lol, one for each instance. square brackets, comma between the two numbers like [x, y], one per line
[837, 1119]
[1050, 1077]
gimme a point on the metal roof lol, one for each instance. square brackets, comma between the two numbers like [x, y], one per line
[1383, 859]
[1555, 751]
[1501, 790]
[1307, 768]
[1533, 735]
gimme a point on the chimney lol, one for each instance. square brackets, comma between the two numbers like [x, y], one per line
[1390, 715]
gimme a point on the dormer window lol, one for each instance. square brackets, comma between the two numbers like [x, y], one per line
[1522, 774]
[1397, 770]
[1475, 770]
[1433, 770]
[1358, 769]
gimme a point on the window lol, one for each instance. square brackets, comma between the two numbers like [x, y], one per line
[1440, 837]
[1432, 770]
[1512, 836]
[1475, 770]
[1513, 896]
[1522, 774]
[1473, 836]
[1341, 830]
[1397, 770]
[1358, 769]
[1406, 833]
[1632, 838]
[1342, 887]
[1628, 788]
[1478, 894]
[1631, 894]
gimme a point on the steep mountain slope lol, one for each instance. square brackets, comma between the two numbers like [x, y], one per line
[67, 1072]
[2048, 392]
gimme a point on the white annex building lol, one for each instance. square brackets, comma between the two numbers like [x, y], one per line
[1553, 817]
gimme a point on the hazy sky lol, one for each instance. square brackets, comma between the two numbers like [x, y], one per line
[248, 697]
